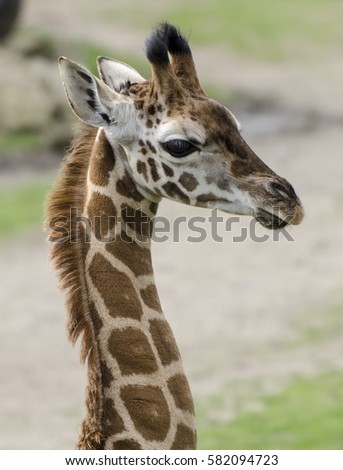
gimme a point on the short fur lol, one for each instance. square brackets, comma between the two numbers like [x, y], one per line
[177, 83]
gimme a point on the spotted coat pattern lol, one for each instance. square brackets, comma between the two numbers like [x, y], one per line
[146, 397]
[137, 395]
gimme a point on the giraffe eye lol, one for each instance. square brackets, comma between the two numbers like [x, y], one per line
[179, 148]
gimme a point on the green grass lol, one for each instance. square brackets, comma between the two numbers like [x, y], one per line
[21, 207]
[269, 29]
[21, 140]
[307, 415]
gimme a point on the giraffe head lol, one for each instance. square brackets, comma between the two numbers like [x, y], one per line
[180, 143]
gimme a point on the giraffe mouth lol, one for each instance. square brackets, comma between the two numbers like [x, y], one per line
[269, 220]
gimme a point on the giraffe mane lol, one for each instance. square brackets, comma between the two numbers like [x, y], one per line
[66, 254]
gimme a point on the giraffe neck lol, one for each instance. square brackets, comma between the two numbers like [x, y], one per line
[142, 394]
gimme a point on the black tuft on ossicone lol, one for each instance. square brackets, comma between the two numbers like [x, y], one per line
[172, 37]
[166, 38]
[156, 50]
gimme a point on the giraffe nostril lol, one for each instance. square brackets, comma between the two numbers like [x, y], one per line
[284, 190]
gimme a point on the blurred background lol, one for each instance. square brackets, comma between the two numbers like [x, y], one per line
[259, 325]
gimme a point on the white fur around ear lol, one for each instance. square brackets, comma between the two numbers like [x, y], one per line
[92, 100]
[115, 73]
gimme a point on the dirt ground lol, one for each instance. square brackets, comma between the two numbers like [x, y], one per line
[240, 311]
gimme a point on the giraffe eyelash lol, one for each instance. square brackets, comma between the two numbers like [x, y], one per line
[179, 148]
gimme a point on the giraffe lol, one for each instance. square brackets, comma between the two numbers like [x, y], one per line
[142, 140]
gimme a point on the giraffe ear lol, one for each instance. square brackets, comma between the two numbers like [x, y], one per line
[92, 100]
[115, 73]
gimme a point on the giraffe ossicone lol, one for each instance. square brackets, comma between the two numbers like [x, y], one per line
[143, 140]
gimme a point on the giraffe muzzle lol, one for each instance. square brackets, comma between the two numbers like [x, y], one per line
[283, 208]
[270, 220]
[276, 220]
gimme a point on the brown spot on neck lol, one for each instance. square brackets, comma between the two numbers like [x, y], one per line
[136, 220]
[150, 297]
[179, 388]
[134, 256]
[185, 438]
[126, 187]
[102, 161]
[115, 288]
[131, 349]
[126, 444]
[148, 410]
[102, 215]
[164, 341]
